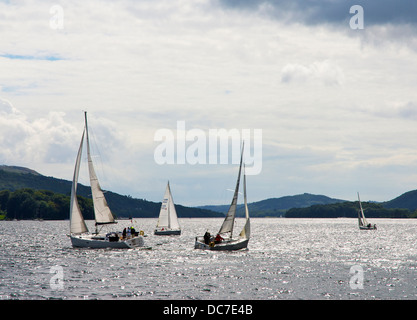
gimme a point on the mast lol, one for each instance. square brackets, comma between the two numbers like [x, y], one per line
[77, 223]
[229, 220]
[102, 211]
[168, 206]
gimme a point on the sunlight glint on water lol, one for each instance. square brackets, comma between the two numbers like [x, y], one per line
[286, 259]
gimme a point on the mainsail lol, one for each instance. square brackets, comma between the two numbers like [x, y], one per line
[227, 226]
[167, 215]
[77, 223]
[245, 233]
[102, 211]
[362, 220]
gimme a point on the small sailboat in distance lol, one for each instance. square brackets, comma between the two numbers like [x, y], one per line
[363, 223]
[224, 239]
[80, 236]
[168, 221]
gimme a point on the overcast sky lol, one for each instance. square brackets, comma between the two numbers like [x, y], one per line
[337, 106]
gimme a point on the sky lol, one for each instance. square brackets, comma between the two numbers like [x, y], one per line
[335, 104]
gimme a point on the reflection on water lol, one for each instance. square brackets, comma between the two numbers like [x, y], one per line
[286, 259]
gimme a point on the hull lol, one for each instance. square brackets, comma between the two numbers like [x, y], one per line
[158, 232]
[367, 228]
[228, 245]
[98, 242]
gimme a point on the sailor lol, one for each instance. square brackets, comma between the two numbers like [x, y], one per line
[218, 238]
[124, 233]
[207, 237]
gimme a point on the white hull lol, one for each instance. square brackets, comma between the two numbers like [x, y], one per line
[225, 245]
[167, 232]
[99, 242]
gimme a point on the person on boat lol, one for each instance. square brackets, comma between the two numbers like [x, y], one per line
[132, 231]
[124, 233]
[218, 238]
[207, 237]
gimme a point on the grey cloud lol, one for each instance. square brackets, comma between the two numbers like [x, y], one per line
[408, 111]
[313, 12]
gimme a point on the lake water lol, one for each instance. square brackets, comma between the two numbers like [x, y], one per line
[286, 259]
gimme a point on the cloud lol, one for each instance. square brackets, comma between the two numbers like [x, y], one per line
[408, 111]
[329, 11]
[291, 68]
[385, 21]
[399, 110]
[25, 141]
[47, 139]
[323, 72]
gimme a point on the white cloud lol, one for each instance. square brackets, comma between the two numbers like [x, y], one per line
[46, 139]
[324, 72]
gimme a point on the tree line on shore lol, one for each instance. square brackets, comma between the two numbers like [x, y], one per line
[349, 209]
[26, 203]
[29, 204]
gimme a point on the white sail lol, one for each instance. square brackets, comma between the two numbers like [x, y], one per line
[245, 233]
[227, 226]
[163, 220]
[168, 215]
[77, 223]
[173, 219]
[102, 211]
[363, 222]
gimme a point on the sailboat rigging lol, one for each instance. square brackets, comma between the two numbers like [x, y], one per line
[79, 234]
[224, 239]
[363, 223]
[168, 221]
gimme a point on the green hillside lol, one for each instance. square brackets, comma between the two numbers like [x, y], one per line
[276, 207]
[49, 196]
[349, 209]
[17, 178]
[407, 200]
[28, 203]
[318, 206]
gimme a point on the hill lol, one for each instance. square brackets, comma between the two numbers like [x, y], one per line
[407, 200]
[348, 209]
[18, 169]
[16, 178]
[275, 207]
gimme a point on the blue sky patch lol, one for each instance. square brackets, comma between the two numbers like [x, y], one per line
[29, 57]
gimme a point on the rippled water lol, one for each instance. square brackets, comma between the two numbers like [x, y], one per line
[286, 259]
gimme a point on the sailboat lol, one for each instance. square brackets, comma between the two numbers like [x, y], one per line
[363, 223]
[79, 234]
[224, 239]
[168, 221]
